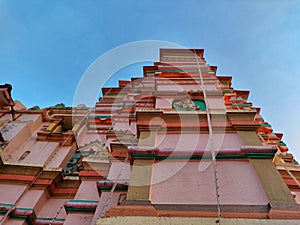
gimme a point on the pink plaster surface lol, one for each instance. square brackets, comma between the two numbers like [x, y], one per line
[97, 213]
[120, 125]
[33, 199]
[179, 183]
[29, 117]
[40, 152]
[87, 191]
[16, 133]
[115, 169]
[163, 103]
[51, 206]
[209, 87]
[12, 129]
[35, 121]
[10, 221]
[19, 105]
[189, 141]
[78, 219]
[60, 158]
[5, 118]
[133, 127]
[216, 103]
[104, 199]
[9, 193]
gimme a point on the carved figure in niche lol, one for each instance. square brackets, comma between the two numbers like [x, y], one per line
[187, 104]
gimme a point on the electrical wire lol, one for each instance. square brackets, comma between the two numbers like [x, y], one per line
[211, 140]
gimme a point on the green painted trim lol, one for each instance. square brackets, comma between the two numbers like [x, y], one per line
[125, 105]
[255, 155]
[200, 104]
[19, 217]
[281, 143]
[242, 105]
[6, 204]
[29, 209]
[265, 125]
[79, 210]
[117, 188]
[11, 215]
[77, 155]
[26, 218]
[99, 117]
[55, 219]
[260, 155]
[70, 209]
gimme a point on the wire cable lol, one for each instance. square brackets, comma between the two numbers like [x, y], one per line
[211, 138]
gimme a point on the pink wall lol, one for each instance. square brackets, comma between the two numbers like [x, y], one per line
[16, 133]
[78, 219]
[33, 199]
[133, 127]
[217, 103]
[50, 207]
[34, 121]
[29, 117]
[191, 141]
[105, 200]
[40, 152]
[87, 191]
[176, 183]
[163, 103]
[115, 168]
[10, 221]
[61, 157]
[9, 193]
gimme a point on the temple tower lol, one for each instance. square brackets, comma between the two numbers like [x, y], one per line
[178, 145]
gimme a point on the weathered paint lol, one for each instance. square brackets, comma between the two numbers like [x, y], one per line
[10, 221]
[78, 219]
[87, 191]
[9, 193]
[140, 181]
[273, 184]
[297, 196]
[191, 141]
[250, 138]
[33, 199]
[192, 221]
[118, 167]
[172, 183]
[50, 208]
[147, 138]
[164, 103]
[40, 152]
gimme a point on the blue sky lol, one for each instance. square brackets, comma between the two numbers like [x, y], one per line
[46, 46]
